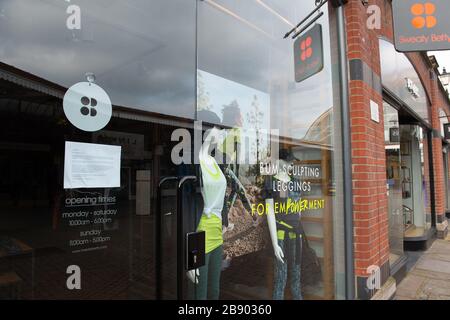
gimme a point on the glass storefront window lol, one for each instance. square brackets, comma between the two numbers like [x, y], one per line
[415, 180]
[446, 179]
[245, 80]
[59, 242]
[443, 119]
[395, 182]
[399, 77]
[90, 211]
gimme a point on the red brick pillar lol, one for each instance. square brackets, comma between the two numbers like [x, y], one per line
[438, 100]
[371, 224]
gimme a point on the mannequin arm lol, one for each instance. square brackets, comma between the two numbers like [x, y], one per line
[241, 191]
[273, 231]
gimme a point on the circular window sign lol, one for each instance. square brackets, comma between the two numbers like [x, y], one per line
[87, 106]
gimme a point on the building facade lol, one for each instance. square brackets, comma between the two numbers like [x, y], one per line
[187, 150]
[386, 178]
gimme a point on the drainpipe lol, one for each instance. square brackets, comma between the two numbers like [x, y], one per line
[347, 155]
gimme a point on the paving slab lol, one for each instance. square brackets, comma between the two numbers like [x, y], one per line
[439, 246]
[431, 274]
[429, 278]
[399, 297]
[427, 263]
[411, 286]
[440, 256]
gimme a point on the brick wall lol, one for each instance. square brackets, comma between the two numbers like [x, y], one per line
[371, 241]
[371, 222]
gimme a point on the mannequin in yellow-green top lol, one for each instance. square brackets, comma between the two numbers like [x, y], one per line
[214, 185]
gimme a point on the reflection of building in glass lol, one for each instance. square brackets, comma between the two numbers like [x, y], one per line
[321, 131]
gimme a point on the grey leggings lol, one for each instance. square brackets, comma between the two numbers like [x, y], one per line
[281, 271]
[208, 286]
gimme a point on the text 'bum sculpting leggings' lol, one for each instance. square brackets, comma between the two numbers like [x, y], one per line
[281, 270]
[208, 286]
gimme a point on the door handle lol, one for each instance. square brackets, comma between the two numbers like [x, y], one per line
[181, 181]
[180, 239]
[158, 240]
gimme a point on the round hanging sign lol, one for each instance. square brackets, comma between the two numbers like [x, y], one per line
[87, 106]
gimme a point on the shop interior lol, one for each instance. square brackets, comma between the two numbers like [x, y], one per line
[407, 172]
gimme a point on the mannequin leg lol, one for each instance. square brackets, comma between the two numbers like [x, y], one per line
[295, 274]
[215, 269]
[280, 275]
[201, 289]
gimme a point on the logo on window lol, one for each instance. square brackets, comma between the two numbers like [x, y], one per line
[306, 49]
[423, 15]
[88, 106]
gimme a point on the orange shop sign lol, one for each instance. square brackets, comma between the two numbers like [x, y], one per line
[308, 54]
[421, 25]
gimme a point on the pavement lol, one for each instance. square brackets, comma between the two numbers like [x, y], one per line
[429, 277]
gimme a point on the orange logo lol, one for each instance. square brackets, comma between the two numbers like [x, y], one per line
[305, 46]
[424, 17]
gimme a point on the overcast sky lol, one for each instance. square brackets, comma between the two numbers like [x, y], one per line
[443, 58]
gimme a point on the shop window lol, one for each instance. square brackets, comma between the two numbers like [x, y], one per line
[64, 238]
[443, 119]
[397, 186]
[58, 241]
[415, 180]
[400, 78]
[246, 81]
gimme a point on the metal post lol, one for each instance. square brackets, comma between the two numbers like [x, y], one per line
[346, 153]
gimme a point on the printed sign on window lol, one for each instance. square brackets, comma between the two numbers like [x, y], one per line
[89, 165]
[421, 25]
[308, 54]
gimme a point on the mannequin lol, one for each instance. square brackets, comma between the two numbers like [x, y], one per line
[230, 148]
[231, 173]
[286, 237]
[214, 217]
[207, 278]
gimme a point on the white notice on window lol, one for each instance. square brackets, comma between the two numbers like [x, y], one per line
[89, 165]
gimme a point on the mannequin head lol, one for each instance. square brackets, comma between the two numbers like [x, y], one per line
[232, 115]
[212, 137]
